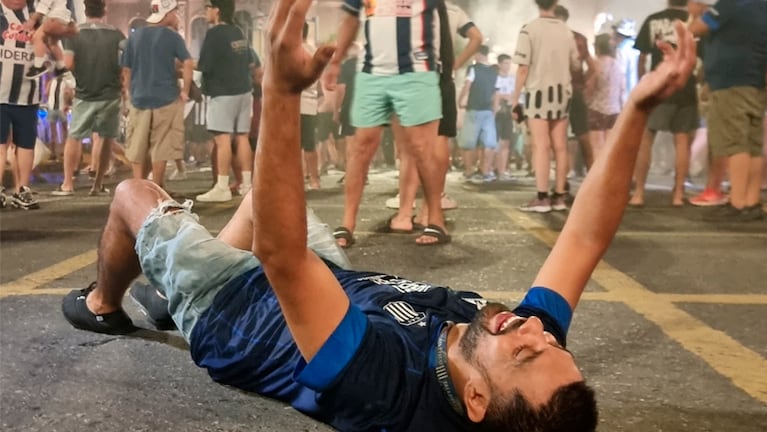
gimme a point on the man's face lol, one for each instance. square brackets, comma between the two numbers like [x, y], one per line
[211, 14]
[516, 353]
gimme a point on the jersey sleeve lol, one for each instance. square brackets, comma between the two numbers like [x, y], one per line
[361, 373]
[462, 22]
[523, 53]
[125, 59]
[720, 14]
[551, 308]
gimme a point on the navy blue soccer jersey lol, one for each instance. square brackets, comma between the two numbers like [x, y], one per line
[377, 370]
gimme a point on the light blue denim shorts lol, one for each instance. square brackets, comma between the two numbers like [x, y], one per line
[182, 260]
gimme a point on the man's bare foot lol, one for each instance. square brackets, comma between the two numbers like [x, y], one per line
[677, 201]
[400, 224]
[636, 201]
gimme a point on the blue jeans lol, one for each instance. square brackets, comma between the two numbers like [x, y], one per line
[478, 125]
[190, 266]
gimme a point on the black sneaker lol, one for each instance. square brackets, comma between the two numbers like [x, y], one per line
[3, 198]
[77, 313]
[152, 305]
[24, 199]
[36, 72]
[60, 71]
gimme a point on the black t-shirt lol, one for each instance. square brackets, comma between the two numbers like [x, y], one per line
[96, 51]
[346, 77]
[660, 27]
[484, 81]
[225, 62]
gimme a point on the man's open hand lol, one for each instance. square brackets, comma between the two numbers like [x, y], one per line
[672, 74]
[289, 68]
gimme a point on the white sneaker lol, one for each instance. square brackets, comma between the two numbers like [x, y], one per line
[216, 195]
[393, 203]
[244, 189]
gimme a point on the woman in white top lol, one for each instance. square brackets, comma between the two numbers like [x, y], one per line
[605, 90]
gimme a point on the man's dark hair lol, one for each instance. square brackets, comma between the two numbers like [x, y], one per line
[562, 13]
[677, 3]
[572, 408]
[484, 50]
[503, 57]
[545, 4]
[225, 10]
[95, 8]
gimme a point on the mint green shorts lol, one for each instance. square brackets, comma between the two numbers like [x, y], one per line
[414, 97]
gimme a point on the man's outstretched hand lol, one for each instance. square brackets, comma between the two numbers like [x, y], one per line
[289, 68]
[672, 74]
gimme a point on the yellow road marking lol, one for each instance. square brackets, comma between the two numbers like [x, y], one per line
[744, 367]
[29, 283]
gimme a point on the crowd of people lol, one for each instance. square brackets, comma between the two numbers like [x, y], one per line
[511, 110]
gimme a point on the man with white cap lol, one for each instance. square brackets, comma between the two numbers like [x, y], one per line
[156, 119]
[625, 53]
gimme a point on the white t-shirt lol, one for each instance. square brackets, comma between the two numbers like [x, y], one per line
[55, 9]
[547, 45]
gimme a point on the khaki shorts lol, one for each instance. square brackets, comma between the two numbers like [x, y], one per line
[736, 121]
[156, 133]
[677, 119]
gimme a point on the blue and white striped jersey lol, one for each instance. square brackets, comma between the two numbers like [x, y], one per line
[399, 35]
[16, 56]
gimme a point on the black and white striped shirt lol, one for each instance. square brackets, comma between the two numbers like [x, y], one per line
[16, 56]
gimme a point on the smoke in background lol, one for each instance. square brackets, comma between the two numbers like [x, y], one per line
[501, 20]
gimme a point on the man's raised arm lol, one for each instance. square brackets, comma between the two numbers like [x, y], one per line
[310, 297]
[597, 212]
[347, 32]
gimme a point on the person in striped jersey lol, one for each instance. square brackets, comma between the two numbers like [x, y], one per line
[19, 99]
[398, 75]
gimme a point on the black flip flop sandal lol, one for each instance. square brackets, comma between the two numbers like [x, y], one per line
[436, 232]
[345, 234]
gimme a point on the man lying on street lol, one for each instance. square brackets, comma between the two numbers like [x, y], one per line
[270, 307]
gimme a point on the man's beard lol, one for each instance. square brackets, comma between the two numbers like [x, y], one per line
[478, 328]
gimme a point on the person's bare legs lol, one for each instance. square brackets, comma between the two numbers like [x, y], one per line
[72, 154]
[469, 162]
[584, 142]
[596, 142]
[3, 161]
[682, 144]
[359, 154]
[118, 264]
[408, 181]
[502, 157]
[24, 160]
[312, 163]
[642, 168]
[754, 189]
[101, 153]
[432, 161]
[223, 154]
[559, 145]
[539, 129]
[244, 159]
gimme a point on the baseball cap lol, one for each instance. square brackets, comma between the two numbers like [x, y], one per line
[626, 27]
[160, 8]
